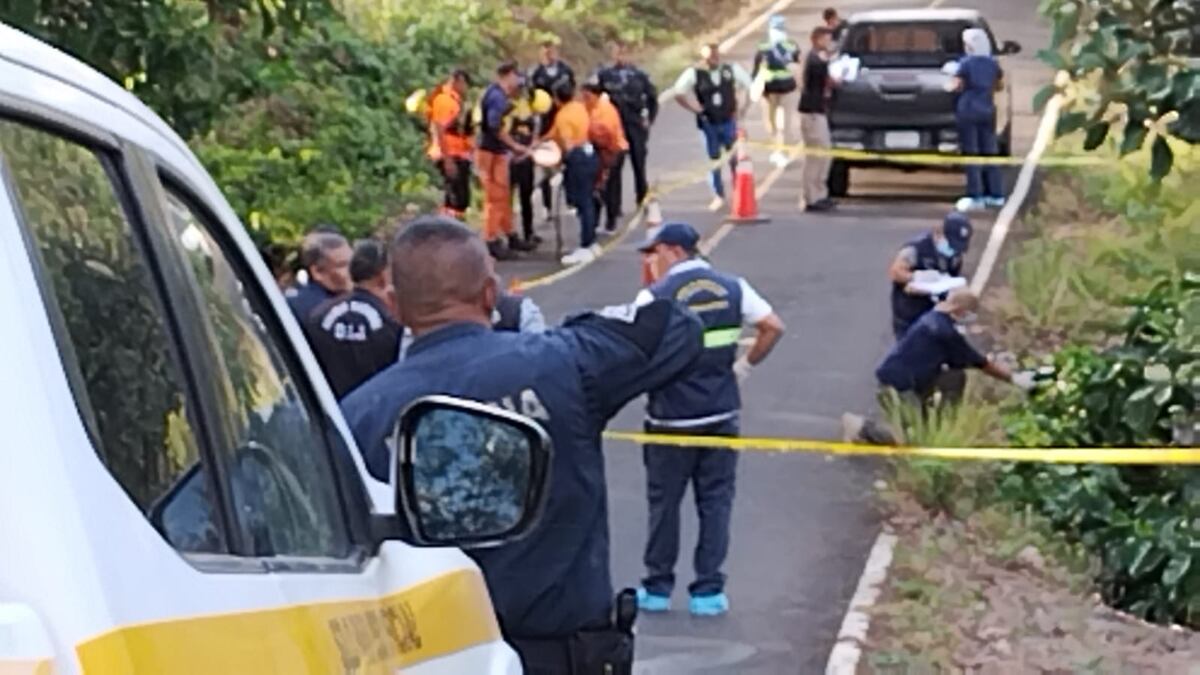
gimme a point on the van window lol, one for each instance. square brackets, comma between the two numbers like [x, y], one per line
[281, 474]
[112, 330]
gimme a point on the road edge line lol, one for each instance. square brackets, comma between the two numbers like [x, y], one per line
[847, 650]
[1016, 201]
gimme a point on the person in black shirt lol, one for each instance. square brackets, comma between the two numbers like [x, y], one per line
[834, 22]
[814, 121]
[550, 74]
[355, 335]
[630, 89]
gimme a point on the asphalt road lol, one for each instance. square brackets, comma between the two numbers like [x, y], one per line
[803, 524]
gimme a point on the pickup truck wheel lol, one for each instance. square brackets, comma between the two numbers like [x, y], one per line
[839, 178]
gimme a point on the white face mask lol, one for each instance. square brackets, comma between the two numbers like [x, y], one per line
[944, 247]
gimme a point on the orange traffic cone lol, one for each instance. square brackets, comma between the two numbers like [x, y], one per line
[653, 221]
[744, 210]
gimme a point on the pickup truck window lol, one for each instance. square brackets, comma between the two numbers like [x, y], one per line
[925, 43]
[111, 327]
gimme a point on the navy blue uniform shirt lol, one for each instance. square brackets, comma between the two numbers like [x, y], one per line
[572, 380]
[304, 299]
[494, 106]
[976, 102]
[914, 363]
[353, 337]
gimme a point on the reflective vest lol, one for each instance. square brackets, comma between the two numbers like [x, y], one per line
[907, 308]
[777, 57]
[709, 394]
[716, 91]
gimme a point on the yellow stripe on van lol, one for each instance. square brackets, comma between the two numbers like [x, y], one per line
[26, 666]
[435, 618]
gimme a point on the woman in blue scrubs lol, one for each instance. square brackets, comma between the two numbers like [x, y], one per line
[977, 78]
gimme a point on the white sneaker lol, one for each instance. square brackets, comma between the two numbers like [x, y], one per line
[596, 250]
[967, 204]
[580, 256]
[779, 159]
[716, 204]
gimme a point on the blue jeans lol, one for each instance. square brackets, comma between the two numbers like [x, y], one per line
[719, 136]
[711, 472]
[581, 165]
[975, 138]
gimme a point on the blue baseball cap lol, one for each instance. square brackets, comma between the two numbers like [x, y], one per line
[957, 230]
[672, 234]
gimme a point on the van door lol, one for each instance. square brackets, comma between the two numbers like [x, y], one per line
[210, 518]
[301, 508]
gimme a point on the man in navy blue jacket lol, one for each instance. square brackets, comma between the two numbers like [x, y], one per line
[552, 590]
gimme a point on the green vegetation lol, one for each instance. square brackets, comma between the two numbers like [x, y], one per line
[297, 107]
[1105, 293]
[1134, 58]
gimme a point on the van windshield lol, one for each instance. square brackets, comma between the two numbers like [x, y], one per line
[916, 43]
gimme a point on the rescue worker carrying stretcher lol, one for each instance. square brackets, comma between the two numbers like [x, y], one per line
[552, 590]
[608, 137]
[705, 402]
[451, 141]
[550, 74]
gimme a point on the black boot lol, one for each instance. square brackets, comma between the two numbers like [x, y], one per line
[516, 243]
[498, 251]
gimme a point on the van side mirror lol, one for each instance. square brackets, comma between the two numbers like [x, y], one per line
[469, 475]
[1010, 47]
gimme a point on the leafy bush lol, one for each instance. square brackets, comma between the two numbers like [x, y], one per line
[297, 108]
[1134, 55]
[1125, 396]
[1143, 522]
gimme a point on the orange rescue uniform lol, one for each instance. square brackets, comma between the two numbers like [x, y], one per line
[446, 111]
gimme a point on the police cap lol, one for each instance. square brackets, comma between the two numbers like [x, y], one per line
[673, 234]
[957, 230]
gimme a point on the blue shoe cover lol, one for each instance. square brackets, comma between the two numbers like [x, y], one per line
[650, 602]
[709, 605]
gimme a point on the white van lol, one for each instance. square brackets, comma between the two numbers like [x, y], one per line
[178, 490]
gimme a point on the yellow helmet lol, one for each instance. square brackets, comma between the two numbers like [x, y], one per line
[415, 103]
[541, 102]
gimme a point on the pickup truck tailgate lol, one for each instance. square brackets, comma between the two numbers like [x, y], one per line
[882, 98]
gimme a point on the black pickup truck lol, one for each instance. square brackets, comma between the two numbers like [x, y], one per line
[898, 102]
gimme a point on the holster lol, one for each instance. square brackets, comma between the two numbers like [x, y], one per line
[607, 651]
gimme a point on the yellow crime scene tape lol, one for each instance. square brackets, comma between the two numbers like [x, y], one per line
[1124, 456]
[1143, 456]
[793, 151]
[924, 158]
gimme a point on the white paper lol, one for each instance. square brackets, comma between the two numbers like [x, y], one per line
[934, 282]
[844, 68]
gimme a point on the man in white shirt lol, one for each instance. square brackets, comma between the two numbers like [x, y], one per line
[716, 92]
[705, 402]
